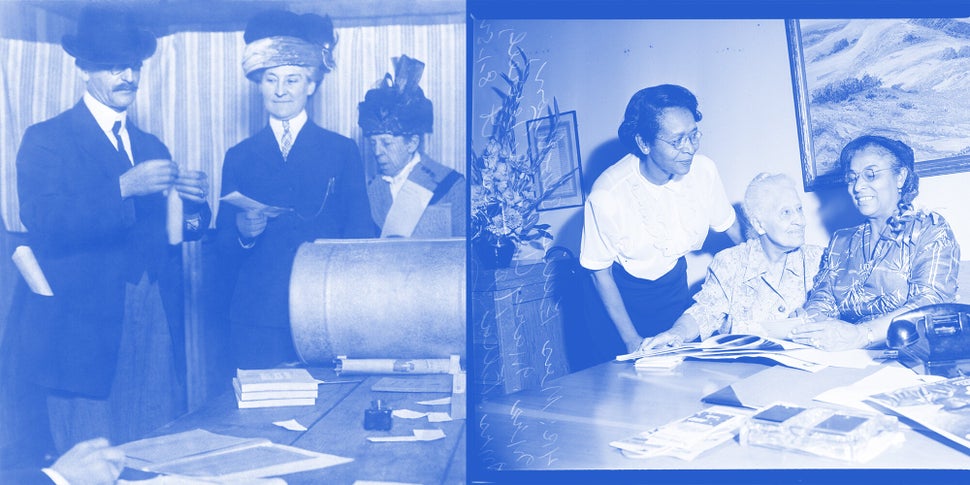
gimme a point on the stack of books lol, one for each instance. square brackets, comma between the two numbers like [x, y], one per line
[262, 388]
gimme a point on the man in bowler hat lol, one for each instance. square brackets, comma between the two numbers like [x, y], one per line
[99, 199]
[291, 163]
[414, 196]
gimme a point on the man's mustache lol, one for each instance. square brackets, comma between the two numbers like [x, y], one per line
[126, 87]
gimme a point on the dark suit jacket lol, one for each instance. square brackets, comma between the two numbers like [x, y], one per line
[25, 477]
[89, 242]
[445, 209]
[322, 180]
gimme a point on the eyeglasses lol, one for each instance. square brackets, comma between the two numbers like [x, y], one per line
[869, 175]
[693, 138]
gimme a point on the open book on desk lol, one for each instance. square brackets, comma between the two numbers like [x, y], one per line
[203, 454]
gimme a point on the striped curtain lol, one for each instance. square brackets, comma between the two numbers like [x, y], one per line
[194, 96]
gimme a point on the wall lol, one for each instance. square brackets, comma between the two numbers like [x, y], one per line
[738, 69]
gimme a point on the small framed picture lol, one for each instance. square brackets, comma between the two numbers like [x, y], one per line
[560, 169]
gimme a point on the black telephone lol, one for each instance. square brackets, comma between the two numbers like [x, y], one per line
[936, 337]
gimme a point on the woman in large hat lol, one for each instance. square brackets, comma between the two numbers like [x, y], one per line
[313, 173]
[414, 196]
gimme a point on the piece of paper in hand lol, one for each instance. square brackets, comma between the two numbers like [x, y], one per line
[173, 220]
[290, 424]
[419, 435]
[25, 261]
[245, 203]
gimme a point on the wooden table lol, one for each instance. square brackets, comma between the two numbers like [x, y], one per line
[335, 426]
[569, 422]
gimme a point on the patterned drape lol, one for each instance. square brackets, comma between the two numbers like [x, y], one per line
[193, 94]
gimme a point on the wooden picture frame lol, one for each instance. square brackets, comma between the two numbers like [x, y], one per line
[900, 78]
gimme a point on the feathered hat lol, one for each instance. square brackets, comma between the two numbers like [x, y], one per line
[397, 106]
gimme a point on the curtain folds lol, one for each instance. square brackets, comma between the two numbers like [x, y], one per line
[194, 96]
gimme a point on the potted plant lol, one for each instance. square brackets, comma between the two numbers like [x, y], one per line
[505, 194]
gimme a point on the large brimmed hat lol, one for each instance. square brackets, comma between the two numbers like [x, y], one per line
[108, 37]
[397, 106]
[282, 38]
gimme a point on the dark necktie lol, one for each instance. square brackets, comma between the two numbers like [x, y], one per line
[116, 129]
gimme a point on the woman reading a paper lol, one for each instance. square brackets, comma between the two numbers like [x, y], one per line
[762, 279]
[898, 260]
[311, 178]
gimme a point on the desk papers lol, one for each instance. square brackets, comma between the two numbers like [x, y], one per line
[290, 424]
[779, 383]
[942, 407]
[735, 346]
[886, 379]
[414, 383]
[688, 437]
[202, 454]
[417, 435]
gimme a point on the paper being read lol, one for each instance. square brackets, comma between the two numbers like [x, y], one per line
[23, 258]
[241, 201]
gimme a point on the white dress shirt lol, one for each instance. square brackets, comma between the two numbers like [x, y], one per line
[106, 118]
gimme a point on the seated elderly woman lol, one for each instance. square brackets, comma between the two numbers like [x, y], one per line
[898, 260]
[764, 278]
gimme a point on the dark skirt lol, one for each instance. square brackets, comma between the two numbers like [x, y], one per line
[654, 305]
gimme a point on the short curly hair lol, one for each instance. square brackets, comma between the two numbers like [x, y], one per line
[642, 116]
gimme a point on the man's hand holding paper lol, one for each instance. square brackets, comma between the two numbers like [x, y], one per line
[247, 204]
[148, 177]
[191, 185]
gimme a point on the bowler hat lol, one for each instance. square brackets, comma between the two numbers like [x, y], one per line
[108, 37]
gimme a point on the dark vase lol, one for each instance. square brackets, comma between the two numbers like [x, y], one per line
[493, 254]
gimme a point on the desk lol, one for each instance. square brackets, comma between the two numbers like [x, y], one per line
[518, 329]
[335, 426]
[569, 423]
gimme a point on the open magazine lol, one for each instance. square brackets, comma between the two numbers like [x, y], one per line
[942, 407]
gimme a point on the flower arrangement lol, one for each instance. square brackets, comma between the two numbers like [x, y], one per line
[505, 194]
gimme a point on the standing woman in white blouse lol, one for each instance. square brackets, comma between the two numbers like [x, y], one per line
[648, 210]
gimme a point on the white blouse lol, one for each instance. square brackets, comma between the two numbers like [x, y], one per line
[647, 227]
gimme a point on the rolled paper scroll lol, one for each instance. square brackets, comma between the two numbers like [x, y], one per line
[23, 257]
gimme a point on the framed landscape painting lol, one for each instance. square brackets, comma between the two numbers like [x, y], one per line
[907, 79]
